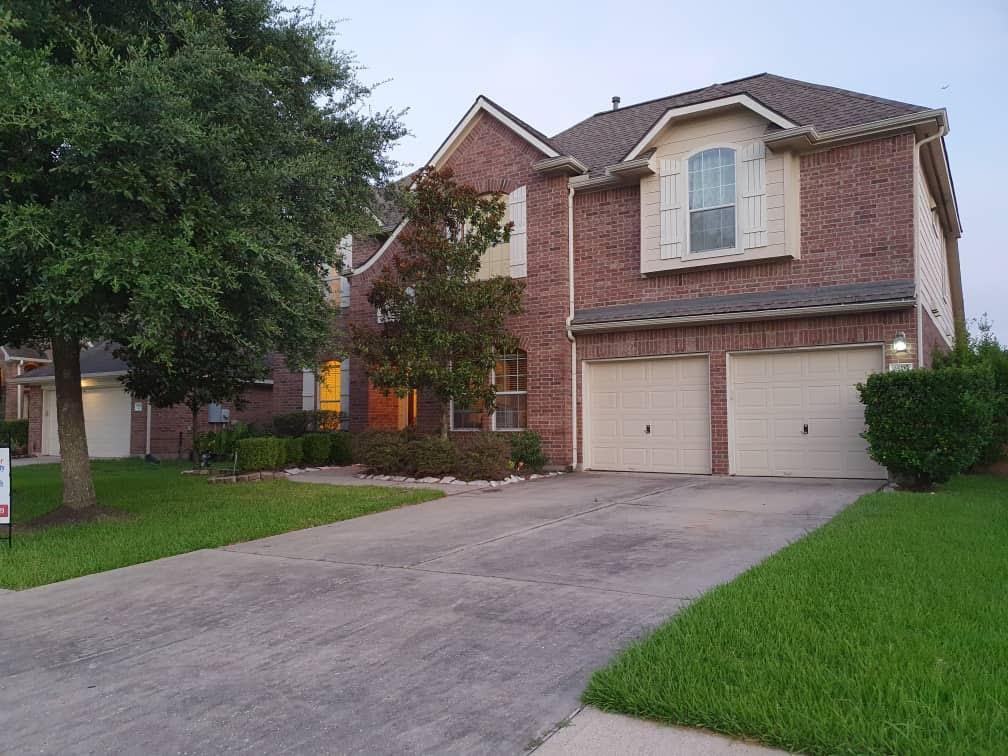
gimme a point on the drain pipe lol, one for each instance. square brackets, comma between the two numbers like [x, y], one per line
[942, 131]
[570, 318]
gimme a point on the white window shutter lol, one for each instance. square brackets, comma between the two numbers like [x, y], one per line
[519, 250]
[670, 209]
[308, 381]
[346, 250]
[753, 204]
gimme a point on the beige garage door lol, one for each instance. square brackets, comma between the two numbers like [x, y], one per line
[649, 415]
[798, 413]
[106, 422]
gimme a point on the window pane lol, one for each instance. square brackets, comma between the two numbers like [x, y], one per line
[466, 418]
[712, 178]
[511, 411]
[712, 229]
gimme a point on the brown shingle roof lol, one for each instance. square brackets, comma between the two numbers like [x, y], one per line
[605, 138]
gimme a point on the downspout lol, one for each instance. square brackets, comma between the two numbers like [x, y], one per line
[20, 390]
[942, 131]
[147, 442]
[570, 318]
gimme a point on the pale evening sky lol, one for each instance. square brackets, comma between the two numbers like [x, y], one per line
[555, 63]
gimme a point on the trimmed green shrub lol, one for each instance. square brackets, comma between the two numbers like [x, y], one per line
[300, 423]
[295, 452]
[384, 452]
[14, 432]
[341, 449]
[317, 447]
[980, 351]
[484, 457]
[924, 426]
[431, 456]
[261, 453]
[526, 451]
[222, 443]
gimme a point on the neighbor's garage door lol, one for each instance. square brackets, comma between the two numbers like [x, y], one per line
[649, 415]
[798, 413]
[106, 421]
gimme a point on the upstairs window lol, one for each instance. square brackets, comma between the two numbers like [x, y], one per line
[496, 261]
[712, 200]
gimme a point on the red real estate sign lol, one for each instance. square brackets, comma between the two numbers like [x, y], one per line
[5, 489]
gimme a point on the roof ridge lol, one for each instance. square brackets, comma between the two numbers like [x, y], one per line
[841, 90]
[667, 97]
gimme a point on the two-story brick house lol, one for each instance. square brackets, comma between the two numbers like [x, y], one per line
[708, 275]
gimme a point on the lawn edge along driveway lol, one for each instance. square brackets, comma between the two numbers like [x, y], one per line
[885, 631]
[168, 514]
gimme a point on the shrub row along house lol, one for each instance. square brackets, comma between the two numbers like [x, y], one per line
[708, 275]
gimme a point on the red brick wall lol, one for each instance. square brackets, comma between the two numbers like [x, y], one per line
[491, 153]
[856, 226]
[717, 340]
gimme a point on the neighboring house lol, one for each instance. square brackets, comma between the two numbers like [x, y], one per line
[120, 425]
[708, 275]
[15, 361]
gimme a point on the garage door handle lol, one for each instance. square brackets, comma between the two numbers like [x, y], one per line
[647, 429]
[805, 429]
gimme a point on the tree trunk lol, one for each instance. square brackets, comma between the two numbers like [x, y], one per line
[78, 487]
[445, 419]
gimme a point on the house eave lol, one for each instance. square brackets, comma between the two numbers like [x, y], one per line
[749, 315]
[28, 380]
[564, 165]
[804, 138]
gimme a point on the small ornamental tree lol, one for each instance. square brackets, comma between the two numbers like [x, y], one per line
[204, 369]
[441, 327]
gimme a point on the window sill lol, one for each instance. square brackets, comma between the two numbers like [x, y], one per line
[715, 260]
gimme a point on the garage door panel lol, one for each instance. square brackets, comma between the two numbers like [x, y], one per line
[813, 388]
[786, 396]
[826, 396]
[752, 397]
[671, 395]
[605, 400]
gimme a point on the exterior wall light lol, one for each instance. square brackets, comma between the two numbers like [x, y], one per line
[899, 344]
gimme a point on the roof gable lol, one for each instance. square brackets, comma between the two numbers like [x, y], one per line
[485, 105]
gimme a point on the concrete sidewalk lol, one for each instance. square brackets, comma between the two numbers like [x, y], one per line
[592, 732]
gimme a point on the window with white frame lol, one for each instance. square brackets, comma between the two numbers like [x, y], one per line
[511, 384]
[712, 200]
[510, 378]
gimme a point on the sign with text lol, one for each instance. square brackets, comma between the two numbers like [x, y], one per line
[5, 487]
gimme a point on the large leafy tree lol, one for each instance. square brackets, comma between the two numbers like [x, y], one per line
[442, 327]
[170, 168]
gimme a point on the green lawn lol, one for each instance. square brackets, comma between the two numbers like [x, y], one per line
[171, 514]
[885, 631]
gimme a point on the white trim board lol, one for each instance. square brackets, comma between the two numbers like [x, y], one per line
[701, 107]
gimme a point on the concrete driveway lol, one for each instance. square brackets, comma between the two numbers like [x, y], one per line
[464, 625]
